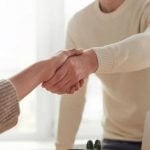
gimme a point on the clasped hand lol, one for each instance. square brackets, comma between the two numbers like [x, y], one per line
[69, 77]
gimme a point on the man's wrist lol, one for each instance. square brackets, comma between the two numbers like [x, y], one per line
[93, 60]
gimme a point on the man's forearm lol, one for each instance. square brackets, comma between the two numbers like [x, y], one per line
[131, 54]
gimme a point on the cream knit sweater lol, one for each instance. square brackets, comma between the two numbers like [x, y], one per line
[121, 40]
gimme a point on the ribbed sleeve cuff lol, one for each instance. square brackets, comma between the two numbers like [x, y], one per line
[105, 58]
[9, 107]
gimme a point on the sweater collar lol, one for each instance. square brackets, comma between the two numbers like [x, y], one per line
[123, 8]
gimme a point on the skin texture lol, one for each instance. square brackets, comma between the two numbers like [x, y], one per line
[28, 79]
[70, 76]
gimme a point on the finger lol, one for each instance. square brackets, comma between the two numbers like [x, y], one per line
[68, 85]
[81, 82]
[77, 85]
[66, 91]
[72, 90]
[68, 53]
[55, 92]
[72, 80]
[73, 52]
[62, 56]
[61, 81]
[64, 83]
[61, 85]
[60, 74]
[60, 92]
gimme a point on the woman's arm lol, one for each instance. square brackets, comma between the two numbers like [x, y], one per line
[27, 80]
[18, 86]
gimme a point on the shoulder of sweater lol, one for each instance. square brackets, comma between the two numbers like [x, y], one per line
[81, 16]
[140, 4]
[147, 1]
[145, 8]
[145, 4]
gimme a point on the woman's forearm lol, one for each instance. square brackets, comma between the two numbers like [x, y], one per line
[28, 79]
[23, 83]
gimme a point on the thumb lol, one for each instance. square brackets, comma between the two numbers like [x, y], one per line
[74, 52]
[64, 55]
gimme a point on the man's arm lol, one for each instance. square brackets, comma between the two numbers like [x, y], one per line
[131, 54]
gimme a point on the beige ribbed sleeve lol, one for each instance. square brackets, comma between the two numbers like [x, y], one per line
[9, 108]
[131, 54]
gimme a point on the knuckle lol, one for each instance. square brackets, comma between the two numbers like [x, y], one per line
[64, 52]
[73, 50]
[47, 88]
[58, 88]
[70, 61]
[76, 77]
[54, 91]
[59, 75]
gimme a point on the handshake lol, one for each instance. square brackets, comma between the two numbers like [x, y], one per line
[65, 72]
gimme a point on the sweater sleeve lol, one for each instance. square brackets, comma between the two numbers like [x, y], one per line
[70, 114]
[9, 107]
[131, 54]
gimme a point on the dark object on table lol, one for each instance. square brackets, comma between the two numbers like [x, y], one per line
[97, 145]
[89, 145]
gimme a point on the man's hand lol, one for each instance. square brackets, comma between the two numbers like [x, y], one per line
[70, 76]
[54, 63]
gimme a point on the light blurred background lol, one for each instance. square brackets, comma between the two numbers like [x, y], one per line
[31, 30]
